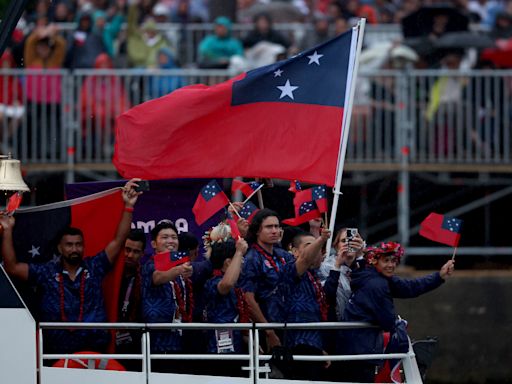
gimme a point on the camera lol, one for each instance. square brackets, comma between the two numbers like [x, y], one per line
[351, 233]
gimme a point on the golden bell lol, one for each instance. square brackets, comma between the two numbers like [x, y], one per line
[10, 175]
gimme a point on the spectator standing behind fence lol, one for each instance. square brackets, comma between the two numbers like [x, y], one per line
[216, 50]
[84, 44]
[319, 35]
[160, 85]
[44, 49]
[108, 27]
[143, 43]
[11, 103]
[374, 288]
[264, 31]
[103, 98]
[72, 286]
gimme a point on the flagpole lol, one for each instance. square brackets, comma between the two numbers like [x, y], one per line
[345, 125]
[260, 199]
[234, 209]
[454, 252]
[252, 194]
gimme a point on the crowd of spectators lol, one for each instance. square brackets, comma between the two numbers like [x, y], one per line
[152, 35]
[92, 27]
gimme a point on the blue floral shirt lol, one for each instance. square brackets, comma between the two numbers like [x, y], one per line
[302, 307]
[221, 309]
[91, 272]
[260, 277]
[159, 306]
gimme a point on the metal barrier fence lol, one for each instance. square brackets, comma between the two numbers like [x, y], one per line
[253, 356]
[416, 117]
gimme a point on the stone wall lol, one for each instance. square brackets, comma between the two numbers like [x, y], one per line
[471, 315]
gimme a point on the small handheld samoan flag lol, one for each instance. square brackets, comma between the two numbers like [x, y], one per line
[14, 202]
[167, 260]
[442, 229]
[210, 200]
[246, 188]
[232, 221]
[295, 186]
[248, 211]
[305, 212]
[317, 194]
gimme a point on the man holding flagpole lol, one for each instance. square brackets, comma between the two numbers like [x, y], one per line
[72, 285]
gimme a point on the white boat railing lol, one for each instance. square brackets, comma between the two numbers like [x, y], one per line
[253, 357]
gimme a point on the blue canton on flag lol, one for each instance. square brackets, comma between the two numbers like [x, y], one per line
[248, 209]
[210, 190]
[319, 192]
[178, 255]
[452, 224]
[254, 185]
[307, 207]
[311, 77]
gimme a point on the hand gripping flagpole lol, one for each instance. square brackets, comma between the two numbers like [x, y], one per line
[357, 37]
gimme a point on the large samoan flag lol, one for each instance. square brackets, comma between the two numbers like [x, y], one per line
[97, 215]
[279, 121]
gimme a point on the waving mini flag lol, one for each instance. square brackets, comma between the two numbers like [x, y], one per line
[305, 212]
[317, 194]
[232, 221]
[248, 211]
[210, 200]
[14, 202]
[246, 188]
[442, 229]
[167, 260]
[295, 186]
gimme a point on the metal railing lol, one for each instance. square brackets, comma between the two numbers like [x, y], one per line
[400, 118]
[254, 358]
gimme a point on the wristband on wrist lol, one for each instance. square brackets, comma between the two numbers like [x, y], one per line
[128, 209]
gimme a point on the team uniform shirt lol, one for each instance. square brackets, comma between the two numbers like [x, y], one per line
[261, 278]
[48, 277]
[222, 309]
[302, 307]
[159, 306]
[129, 341]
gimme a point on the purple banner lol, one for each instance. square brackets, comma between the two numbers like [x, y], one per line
[166, 199]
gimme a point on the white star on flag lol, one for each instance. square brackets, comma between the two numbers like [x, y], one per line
[34, 252]
[314, 58]
[287, 90]
[278, 73]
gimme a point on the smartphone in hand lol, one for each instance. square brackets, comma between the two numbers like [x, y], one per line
[142, 186]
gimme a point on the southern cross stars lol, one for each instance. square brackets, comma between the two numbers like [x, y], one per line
[287, 90]
[34, 252]
[278, 73]
[314, 58]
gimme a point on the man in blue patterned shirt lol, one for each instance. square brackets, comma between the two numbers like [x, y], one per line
[306, 302]
[262, 272]
[72, 287]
